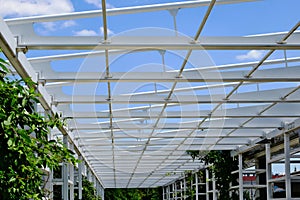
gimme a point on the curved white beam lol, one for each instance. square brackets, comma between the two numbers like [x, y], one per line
[118, 11]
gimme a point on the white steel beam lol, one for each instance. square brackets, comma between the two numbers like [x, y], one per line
[214, 124]
[290, 126]
[118, 11]
[158, 43]
[281, 110]
[17, 58]
[175, 133]
[46, 59]
[290, 74]
[267, 96]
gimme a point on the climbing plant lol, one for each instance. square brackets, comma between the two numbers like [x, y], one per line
[133, 194]
[222, 166]
[89, 191]
[24, 146]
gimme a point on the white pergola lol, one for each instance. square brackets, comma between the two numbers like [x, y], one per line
[133, 125]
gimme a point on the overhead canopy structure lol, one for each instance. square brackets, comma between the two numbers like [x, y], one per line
[136, 101]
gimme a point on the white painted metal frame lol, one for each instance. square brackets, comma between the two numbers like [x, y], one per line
[138, 145]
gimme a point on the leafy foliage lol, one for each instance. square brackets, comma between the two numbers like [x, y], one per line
[88, 190]
[24, 146]
[222, 166]
[190, 181]
[132, 194]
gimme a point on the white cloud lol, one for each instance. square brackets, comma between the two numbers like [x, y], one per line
[49, 26]
[18, 8]
[68, 23]
[251, 55]
[85, 32]
[109, 32]
[53, 26]
[109, 6]
[98, 4]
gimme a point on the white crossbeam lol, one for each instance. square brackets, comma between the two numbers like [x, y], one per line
[280, 110]
[264, 96]
[118, 11]
[267, 123]
[290, 74]
[158, 42]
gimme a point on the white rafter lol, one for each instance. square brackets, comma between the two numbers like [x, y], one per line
[134, 138]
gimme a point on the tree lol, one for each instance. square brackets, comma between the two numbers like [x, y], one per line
[24, 146]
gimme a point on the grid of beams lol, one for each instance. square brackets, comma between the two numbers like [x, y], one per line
[133, 138]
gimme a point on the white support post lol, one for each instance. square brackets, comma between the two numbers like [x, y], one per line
[89, 177]
[241, 177]
[51, 184]
[192, 182]
[71, 177]
[80, 178]
[168, 192]
[175, 190]
[184, 188]
[181, 194]
[287, 166]
[163, 193]
[196, 185]
[268, 171]
[65, 188]
[173, 193]
[214, 187]
[97, 188]
[102, 192]
[207, 183]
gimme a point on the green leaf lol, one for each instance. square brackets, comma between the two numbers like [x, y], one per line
[7, 123]
[25, 137]
[10, 142]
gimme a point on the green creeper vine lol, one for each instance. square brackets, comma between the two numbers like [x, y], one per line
[88, 190]
[222, 166]
[132, 194]
[24, 146]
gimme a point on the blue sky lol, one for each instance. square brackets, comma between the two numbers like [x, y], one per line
[225, 20]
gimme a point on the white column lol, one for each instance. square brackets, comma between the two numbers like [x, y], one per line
[65, 188]
[51, 184]
[181, 187]
[207, 183]
[268, 171]
[175, 190]
[184, 188]
[80, 165]
[168, 192]
[287, 166]
[71, 177]
[214, 187]
[196, 183]
[241, 195]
